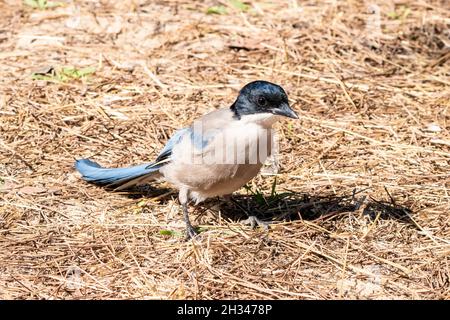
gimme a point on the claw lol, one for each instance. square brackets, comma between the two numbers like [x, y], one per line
[190, 232]
[253, 221]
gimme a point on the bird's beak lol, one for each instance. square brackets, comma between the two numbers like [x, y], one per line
[286, 111]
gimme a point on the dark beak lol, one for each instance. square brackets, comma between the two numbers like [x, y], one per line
[286, 111]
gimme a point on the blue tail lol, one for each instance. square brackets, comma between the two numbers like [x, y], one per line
[120, 177]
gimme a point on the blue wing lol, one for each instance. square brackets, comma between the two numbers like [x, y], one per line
[199, 140]
[166, 152]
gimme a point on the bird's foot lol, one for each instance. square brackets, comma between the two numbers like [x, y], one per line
[190, 232]
[253, 221]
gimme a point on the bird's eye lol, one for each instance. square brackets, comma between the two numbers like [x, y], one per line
[262, 101]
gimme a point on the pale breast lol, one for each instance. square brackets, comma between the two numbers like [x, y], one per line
[234, 153]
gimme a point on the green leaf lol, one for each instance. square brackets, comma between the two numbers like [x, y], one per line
[402, 13]
[273, 193]
[169, 233]
[86, 71]
[36, 76]
[42, 4]
[71, 72]
[290, 126]
[64, 74]
[239, 5]
[259, 198]
[217, 10]
[31, 3]
[142, 203]
[51, 4]
[406, 13]
[67, 70]
[392, 15]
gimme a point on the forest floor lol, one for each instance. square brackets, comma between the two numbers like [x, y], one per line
[361, 198]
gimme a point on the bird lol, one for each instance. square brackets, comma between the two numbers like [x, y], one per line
[217, 154]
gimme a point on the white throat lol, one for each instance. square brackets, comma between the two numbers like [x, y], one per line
[265, 120]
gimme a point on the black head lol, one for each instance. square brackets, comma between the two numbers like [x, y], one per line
[262, 97]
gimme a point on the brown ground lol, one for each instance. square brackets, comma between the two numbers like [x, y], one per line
[363, 187]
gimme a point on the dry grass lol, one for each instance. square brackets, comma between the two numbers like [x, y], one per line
[366, 169]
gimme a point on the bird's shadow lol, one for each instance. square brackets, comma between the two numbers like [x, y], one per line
[289, 205]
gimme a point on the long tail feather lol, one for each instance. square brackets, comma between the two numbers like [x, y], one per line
[119, 178]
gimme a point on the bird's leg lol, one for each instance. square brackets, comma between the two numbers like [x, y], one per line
[252, 220]
[190, 231]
